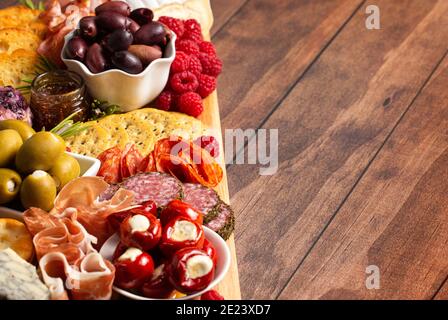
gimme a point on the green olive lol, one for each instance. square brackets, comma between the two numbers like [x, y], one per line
[65, 169]
[38, 190]
[9, 185]
[39, 152]
[10, 142]
[20, 126]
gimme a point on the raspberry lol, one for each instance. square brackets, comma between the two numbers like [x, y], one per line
[211, 66]
[208, 48]
[208, 143]
[212, 295]
[190, 103]
[195, 66]
[180, 63]
[207, 84]
[176, 25]
[187, 46]
[164, 101]
[192, 30]
[184, 81]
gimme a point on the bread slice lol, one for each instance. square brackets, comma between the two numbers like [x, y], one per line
[12, 39]
[24, 18]
[15, 67]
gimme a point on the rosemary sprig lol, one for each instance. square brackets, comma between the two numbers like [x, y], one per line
[43, 65]
[102, 109]
[30, 4]
[67, 127]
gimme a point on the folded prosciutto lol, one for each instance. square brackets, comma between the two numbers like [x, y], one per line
[64, 239]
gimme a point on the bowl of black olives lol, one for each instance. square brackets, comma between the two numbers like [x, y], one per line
[124, 56]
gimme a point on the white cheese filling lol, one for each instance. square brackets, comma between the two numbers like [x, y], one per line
[198, 266]
[39, 174]
[139, 223]
[10, 185]
[184, 230]
[130, 254]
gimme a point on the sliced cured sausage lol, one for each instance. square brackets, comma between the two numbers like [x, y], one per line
[158, 187]
[224, 221]
[202, 198]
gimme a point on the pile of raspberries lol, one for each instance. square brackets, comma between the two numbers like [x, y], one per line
[193, 72]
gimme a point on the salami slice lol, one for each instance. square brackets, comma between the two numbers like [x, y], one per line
[202, 198]
[158, 187]
[109, 193]
[224, 221]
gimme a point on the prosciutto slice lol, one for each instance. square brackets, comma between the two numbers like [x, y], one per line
[64, 239]
[90, 279]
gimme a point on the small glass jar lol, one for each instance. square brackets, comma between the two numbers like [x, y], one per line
[55, 95]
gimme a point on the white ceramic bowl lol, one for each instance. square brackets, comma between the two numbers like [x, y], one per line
[129, 91]
[222, 251]
[89, 166]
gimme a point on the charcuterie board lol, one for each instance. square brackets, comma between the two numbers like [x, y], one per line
[104, 190]
[230, 286]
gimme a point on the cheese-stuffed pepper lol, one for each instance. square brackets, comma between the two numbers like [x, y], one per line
[141, 231]
[133, 268]
[180, 233]
[190, 270]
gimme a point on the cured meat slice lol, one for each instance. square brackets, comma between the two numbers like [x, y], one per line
[202, 198]
[158, 187]
[90, 279]
[81, 196]
[224, 221]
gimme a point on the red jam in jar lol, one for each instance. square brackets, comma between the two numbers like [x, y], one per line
[57, 94]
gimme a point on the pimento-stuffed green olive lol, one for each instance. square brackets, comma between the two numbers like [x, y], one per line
[180, 233]
[190, 270]
[133, 268]
[141, 231]
[177, 208]
[158, 286]
[210, 250]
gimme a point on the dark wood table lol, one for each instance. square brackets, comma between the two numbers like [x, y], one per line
[363, 146]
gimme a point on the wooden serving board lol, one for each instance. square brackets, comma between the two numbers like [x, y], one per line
[230, 286]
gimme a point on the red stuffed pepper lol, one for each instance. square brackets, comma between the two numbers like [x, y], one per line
[181, 233]
[177, 208]
[158, 287]
[133, 268]
[146, 208]
[141, 231]
[190, 270]
[210, 250]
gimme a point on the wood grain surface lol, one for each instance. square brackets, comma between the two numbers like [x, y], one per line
[331, 125]
[363, 152]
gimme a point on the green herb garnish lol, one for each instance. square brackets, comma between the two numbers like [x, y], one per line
[30, 4]
[101, 109]
[43, 65]
[67, 127]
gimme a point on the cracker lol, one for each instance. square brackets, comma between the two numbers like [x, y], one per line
[142, 127]
[15, 235]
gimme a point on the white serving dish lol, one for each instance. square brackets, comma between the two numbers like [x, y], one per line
[129, 91]
[222, 251]
[89, 168]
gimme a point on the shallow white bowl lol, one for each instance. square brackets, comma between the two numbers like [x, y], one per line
[129, 91]
[222, 251]
[89, 166]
